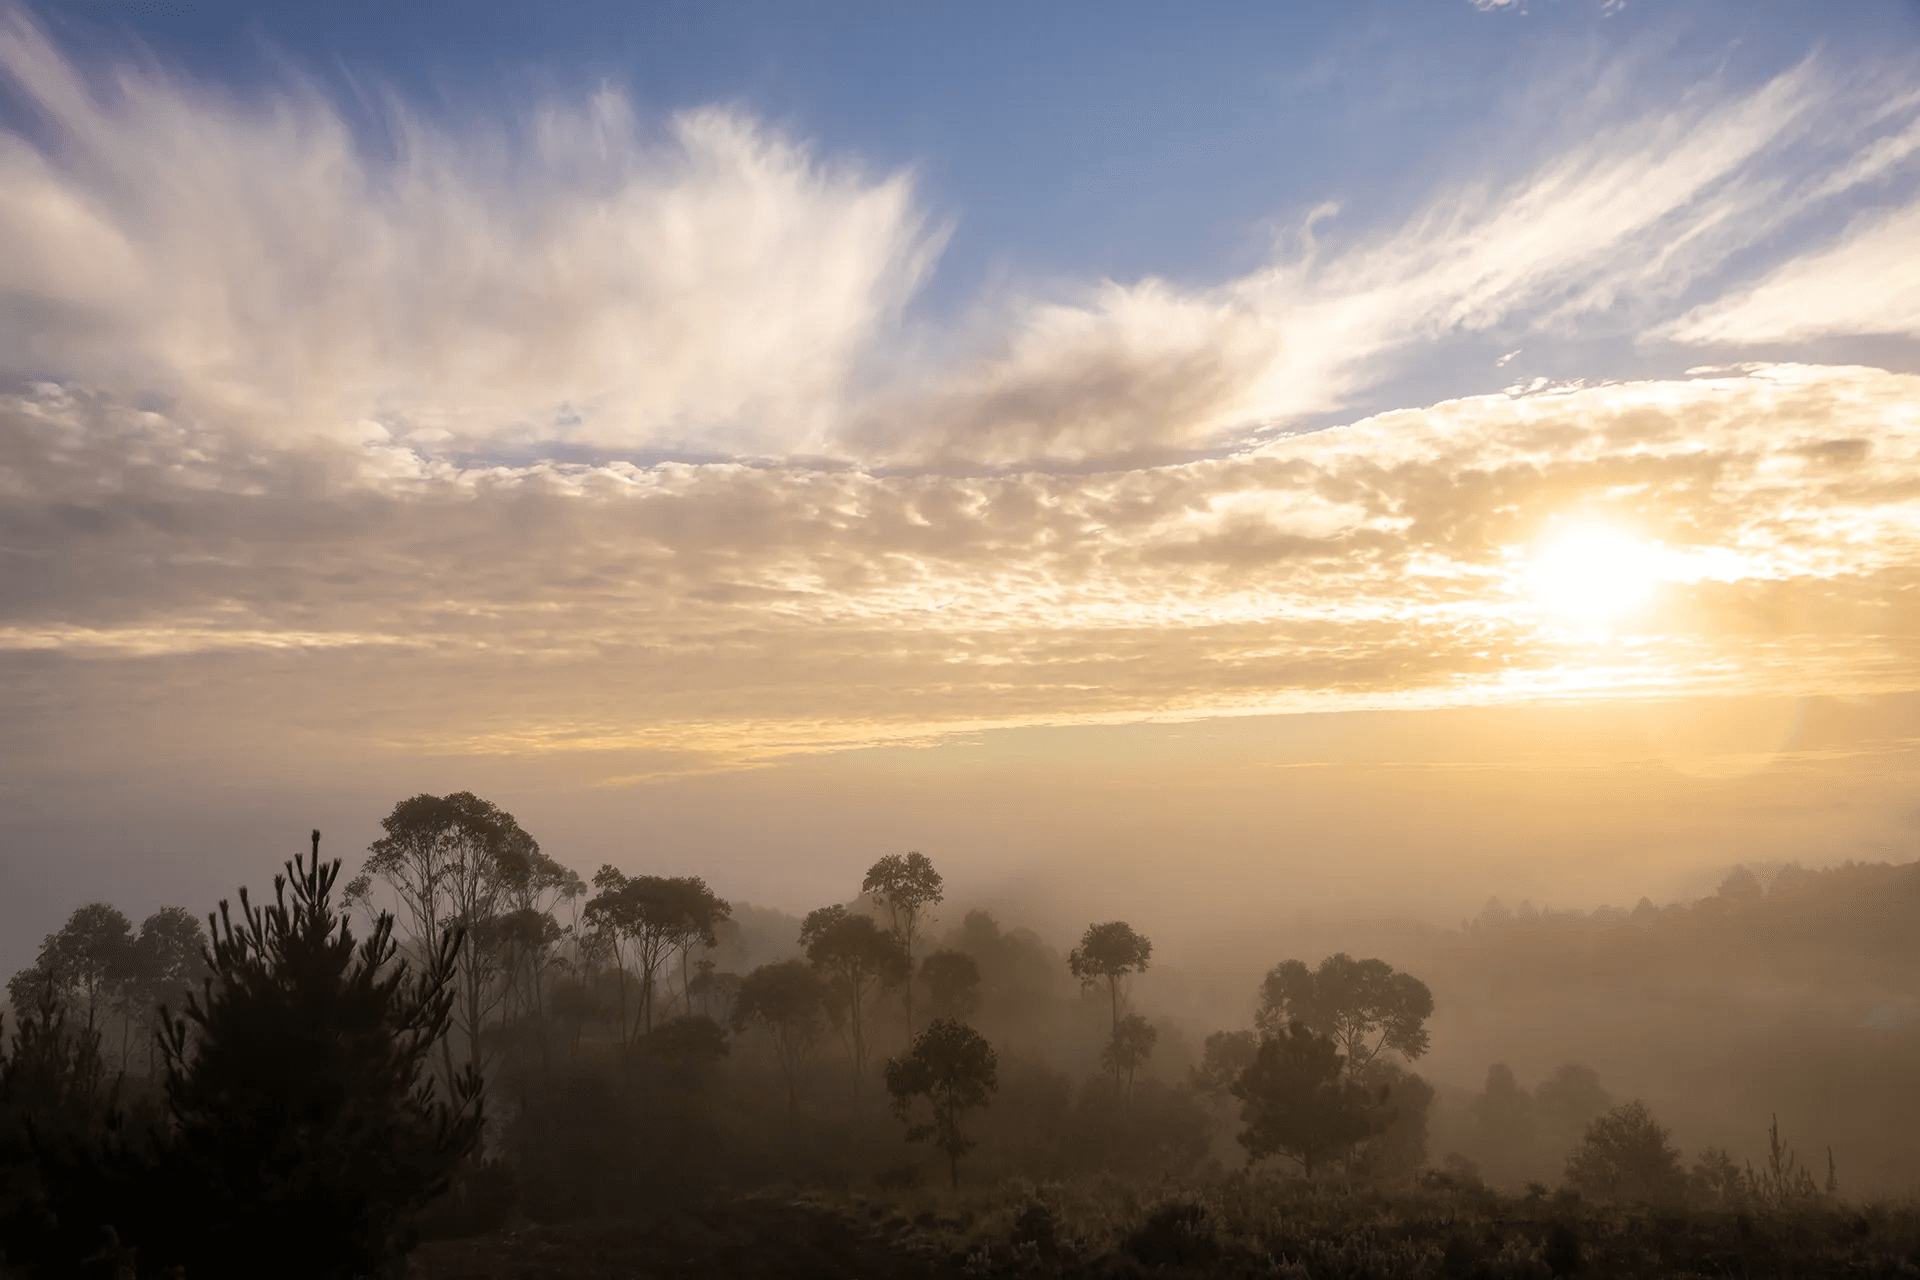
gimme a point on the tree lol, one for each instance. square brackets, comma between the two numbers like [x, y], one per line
[954, 1068]
[295, 1080]
[654, 915]
[953, 980]
[452, 861]
[1107, 953]
[1363, 1006]
[1626, 1155]
[86, 960]
[787, 999]
[906, 887]
[1128, 1049]
[1295, 1100]
[855, 956]
[160, 970]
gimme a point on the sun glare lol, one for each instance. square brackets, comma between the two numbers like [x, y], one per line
[1593, 574]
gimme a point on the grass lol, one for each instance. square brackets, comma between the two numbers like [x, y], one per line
[1228, 1224]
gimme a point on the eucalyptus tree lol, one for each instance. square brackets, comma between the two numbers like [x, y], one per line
[1108, 953]
[647, 918]
[1363, 1006]
[954, 1068]
[84, 963]
[788, 1001]
[907, 886]
[1296, 1101]
[452, 861]
[856, 957]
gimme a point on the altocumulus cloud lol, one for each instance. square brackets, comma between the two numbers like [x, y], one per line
[273, 397]
[741, 609]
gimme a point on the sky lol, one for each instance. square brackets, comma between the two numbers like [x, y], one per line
[1197, 464]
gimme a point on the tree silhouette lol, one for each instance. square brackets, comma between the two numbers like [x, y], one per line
[1626, 1155]
[655, 916]
[86, 961]
[160, 969]
[855, 956]
[954, 1068]
[1296, 1102]
[906, 887]
[296, 1083]
[787, 1000]
[1363, 1006]
[453, 861]
[1107, 953]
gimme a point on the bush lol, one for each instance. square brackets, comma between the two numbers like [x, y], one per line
[1626, 1155]
[1175, 1235]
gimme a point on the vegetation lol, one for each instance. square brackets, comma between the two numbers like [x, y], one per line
[649, 1048]
[954, 1068]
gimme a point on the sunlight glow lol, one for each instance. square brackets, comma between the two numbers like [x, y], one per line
[1594, 574]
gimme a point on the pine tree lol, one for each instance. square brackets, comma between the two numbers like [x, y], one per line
[307, 1129]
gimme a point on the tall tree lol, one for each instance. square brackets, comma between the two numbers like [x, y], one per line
[1295, 1101]
[161, 969]
[954, 1068]
[856, 957]
[787, 1000]
[1364, 1006]
[87, 959]
[907, 887]
[652, 916]
[295, 1081]
[1108, 953]
[452, 862]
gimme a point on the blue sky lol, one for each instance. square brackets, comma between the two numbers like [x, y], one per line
[611, 408]
[1063, 141]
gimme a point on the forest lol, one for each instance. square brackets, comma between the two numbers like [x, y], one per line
[453, 1056]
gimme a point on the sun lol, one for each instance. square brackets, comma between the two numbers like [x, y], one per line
[1594, 574]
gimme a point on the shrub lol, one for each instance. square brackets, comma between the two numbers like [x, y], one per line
[1626, 1155]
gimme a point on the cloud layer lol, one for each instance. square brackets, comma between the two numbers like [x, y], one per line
[745, 610]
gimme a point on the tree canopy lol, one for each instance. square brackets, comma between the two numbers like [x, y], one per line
[954, 1068]
[907, 886]
[1363, 1006]
[652, 916]
[1107, 953]
[855, 957]
[787, 1000]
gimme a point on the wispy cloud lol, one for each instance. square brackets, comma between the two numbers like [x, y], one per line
[710, 286]
[1866, 283]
